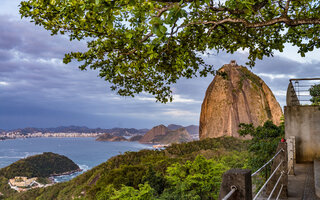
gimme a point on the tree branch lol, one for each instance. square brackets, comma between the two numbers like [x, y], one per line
[285, 13]
[286, 20]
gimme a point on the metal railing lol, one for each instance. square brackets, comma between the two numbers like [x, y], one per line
[280, 169]
[266, 164]
[233, 189]
[298, 91]
[265, 184]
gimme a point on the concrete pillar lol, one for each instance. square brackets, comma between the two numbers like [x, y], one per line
[291, 154]
[241, 178]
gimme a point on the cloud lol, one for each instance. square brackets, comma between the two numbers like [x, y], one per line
[180, 113]
[275, 76]
[37, 89]
[3, 83]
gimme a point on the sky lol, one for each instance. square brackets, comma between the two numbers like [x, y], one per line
[38, 90]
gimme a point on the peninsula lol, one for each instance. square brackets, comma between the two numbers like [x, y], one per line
[37, 171]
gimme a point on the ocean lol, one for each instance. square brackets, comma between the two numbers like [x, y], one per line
[85, 152]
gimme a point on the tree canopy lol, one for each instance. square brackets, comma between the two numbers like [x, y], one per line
[315, 94]
[147, 45]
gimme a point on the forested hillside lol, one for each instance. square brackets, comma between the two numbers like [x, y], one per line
[43, 165]
[181, 170]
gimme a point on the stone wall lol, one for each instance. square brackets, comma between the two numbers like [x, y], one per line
[303, 122]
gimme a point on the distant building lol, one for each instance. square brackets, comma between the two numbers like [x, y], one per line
[21, 181]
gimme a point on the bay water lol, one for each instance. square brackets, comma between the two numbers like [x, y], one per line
[85, 152]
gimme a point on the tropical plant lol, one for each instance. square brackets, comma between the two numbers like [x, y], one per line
[263, 145]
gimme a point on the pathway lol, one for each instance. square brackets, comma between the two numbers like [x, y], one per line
[301, 186]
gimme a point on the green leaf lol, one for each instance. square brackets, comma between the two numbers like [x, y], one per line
[163, 29]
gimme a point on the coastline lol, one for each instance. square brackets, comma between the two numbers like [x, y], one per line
[53, 176]
[49, 135]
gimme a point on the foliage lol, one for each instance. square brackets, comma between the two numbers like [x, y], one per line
[43, 165]
[263, 145]
[145, 46]
[199, 179]
[145, 192]
[5, 188]
[176, 171]
[315, 93]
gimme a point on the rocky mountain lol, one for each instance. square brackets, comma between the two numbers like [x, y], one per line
[235, 96]
[173, 136]
[155, 131]
[163, 135]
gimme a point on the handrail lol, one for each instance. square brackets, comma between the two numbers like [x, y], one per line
[264, 185]
[267, 163]
[275, 185]
[233, 189]
[279, 192]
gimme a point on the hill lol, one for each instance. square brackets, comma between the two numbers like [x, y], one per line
[163, 135]
[110, 138]
[174, 126]
[154, 173]
[135, 138]
[173, 136]
[43, 165]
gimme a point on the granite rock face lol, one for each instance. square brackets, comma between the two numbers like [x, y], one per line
[233, 97]
[155, 131]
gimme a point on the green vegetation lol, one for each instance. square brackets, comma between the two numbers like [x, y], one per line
[43, 165]
[182, 171]
[263, 145]
[315, 93]
[5, 188]
[146, 46]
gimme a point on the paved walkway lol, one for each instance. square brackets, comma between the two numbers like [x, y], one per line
[301, 186]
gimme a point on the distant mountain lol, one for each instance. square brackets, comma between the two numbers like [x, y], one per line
[192, 129]
[174, 126]
[84, 129]
[126, 131]
[173, 136]
[163, 135]
[155, 131]
[110, 138]
[135, 138]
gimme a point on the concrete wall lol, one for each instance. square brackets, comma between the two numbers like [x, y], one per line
[303, 122]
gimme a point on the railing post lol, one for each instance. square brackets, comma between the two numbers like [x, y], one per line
[241, 179]
[283, 156]
[291, 154]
